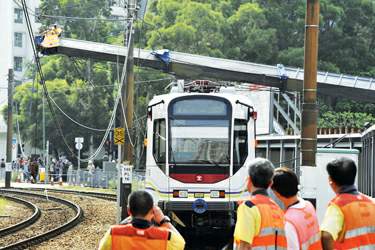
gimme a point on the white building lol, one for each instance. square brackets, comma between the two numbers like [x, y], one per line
[16, 50]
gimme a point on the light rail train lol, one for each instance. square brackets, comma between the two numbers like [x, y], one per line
[200, 137]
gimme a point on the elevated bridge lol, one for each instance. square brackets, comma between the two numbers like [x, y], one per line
[191, 66]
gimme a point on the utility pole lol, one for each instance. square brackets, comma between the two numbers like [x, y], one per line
[128, 94]
[8, 171]
[309, 106]
[124, 172]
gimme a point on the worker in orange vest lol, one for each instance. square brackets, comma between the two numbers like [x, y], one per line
[260, 221]
[301, 222]
[138, 232]
[349, 222]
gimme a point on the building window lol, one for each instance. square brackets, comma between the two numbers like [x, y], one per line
[17, 63]
[18, 39]
[18, 15]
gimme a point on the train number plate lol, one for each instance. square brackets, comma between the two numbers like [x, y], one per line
[198, 195]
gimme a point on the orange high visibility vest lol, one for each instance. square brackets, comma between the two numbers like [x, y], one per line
[306, 224]
[128, 237]
[271, 233]
[359, 221]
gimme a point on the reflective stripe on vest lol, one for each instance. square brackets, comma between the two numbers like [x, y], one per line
[359, 221]
[306, 224]
[128, 237]
[271, 234]
[313, 243]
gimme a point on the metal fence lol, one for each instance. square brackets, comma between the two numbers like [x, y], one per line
[96, 179]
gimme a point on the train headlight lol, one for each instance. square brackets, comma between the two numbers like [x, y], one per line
[217, 194]
[180, 193]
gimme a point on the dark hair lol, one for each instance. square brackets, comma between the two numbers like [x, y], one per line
[261, 172]
[285, 182]
[342, 171]
[140, 203]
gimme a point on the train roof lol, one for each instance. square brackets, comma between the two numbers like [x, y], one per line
[369, 132]
[231, 96]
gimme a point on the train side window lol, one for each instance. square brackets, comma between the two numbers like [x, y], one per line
[159, 142]
[240, 148]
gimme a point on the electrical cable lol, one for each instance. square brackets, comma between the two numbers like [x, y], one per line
[48, 98]
[74, 121]
[42, 79]
[71, 17]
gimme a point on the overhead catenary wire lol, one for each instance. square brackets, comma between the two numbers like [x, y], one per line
[39, 68]
[70, 17]
[74, 121]
[48, 98]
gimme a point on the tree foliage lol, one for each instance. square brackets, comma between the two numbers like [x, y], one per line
[262, 31]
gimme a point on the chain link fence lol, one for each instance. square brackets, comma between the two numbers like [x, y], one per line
[84, 178]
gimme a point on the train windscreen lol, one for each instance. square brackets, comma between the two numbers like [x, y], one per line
[199, 139]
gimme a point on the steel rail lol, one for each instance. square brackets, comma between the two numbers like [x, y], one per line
[25, 223]
[99, 195]
[51, 233]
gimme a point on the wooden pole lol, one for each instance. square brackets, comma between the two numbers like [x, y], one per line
[309, 106]
[128, 94]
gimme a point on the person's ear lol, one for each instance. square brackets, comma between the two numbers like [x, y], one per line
[332, 184]
[270, 185]
[249, 184]
[129, 213]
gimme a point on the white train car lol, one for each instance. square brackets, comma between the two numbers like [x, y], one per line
[200, 137]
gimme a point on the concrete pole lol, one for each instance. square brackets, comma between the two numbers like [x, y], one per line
[9, 128]
[309, 106]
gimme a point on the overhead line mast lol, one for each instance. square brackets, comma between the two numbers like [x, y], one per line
[309, 106]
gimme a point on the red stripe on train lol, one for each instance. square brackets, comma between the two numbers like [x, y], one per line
[199, 178]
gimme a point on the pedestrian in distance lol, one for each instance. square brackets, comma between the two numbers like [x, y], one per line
[260, 221]
[349, 222]
[139, 232]
[2, 169]
[301, 222]
[90, 172]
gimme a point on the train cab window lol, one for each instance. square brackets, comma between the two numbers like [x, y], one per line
[240, 148]
[159, 142]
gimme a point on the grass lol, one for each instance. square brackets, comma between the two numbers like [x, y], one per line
[3, 203]
[90, 189]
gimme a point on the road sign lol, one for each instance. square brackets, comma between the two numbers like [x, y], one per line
[79, 140]
[119, 136]
[126, 174]
[79, 146]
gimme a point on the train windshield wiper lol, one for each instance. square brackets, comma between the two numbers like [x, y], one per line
[217, 164]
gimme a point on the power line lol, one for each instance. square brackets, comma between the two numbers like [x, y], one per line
[42, 80]
[74, 121]
[70, 17]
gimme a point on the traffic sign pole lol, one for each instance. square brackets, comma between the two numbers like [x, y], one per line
[79, 168]
[79, 145]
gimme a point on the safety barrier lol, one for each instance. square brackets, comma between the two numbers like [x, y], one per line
[96, 179]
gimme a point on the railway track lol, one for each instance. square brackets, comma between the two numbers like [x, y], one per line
[30, 228]
[99, 195]
[210, 241]
[25, 223]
